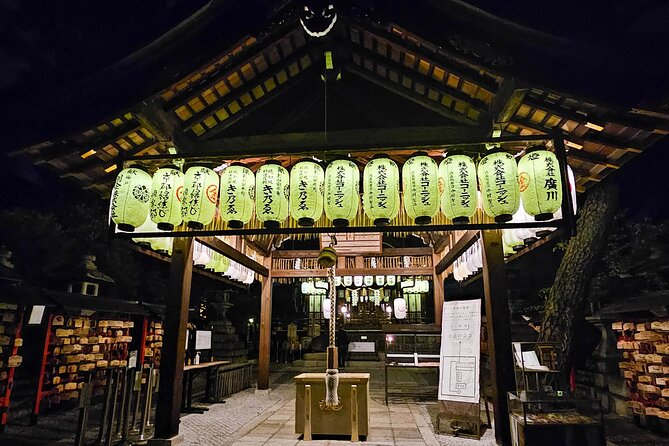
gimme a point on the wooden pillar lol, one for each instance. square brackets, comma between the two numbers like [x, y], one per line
[265, 327]
[174, 340]
[438, 281]
[499, 331]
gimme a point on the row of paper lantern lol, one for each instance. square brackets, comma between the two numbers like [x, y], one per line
[203, 257]
[469, 263]
[171, 197]
[399, 306]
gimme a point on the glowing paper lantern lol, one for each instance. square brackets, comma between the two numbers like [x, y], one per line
[358, 281]
[379, 280]
[327, 311]
[342, 184]
[478, 255]
[391, 280]
[420, 183]
[457, 188]
[237, 195]
[456, 271]
[338, 281]
[204, 257]
[511, 240]
[306, 192]
[147, 226]
[498, 177]
[166, 194]
[400, 306]
[368, 280]
[527, 235]
[214, 258]
[200, 196]
[540, 183]
[272, 191]
[348, 281]
[129, 205]
[381, 190]
[250, 277]
[223, 264]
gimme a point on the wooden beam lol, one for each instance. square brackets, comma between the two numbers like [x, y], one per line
[409, 94]
[344, 140]
[438, 295]
[403, 71]
[264, 345]
[256, 247]
[386, 252]
[166, 126]
[498, 320]
[94, 162]
[457, 250]
[202, 272]
[507, 101]
[173, 359]
[413, 271]
[233, 254]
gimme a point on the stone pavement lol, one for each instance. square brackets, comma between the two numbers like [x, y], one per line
[247, 419]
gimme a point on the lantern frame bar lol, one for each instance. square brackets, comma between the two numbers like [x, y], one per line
[325, 150]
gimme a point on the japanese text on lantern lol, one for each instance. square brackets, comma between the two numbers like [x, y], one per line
[551, 182]
[464, 184]
[382, 185]
[339, 187]
[302, 188]
[231, 201]
[500, 182]
[194, 198]
[424, 184]
[268, 191]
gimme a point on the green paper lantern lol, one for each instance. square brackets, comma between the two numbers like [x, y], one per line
[540, 183]
[213, 262]
[237, 195]
[381, 190]
[420, 181]
[272, 191]
[222, 265]
[306, 192]
[166, 195]
[200, 196]
[457, 187]
[129, 205]
[498, 178]
[342, 184]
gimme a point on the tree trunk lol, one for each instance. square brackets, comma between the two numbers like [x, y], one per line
[566, 298]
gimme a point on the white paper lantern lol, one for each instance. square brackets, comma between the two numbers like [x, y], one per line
[272, 192]
[166, 195]
[380, 280]
[327, 311]
[342, 186]
[358, 281]
[457, 188]
[400, 306]
[456, 270]
[527, 235]
[381, 190]
[368, 280]
[348, 281]
[306, 192]
[478, 255]
[200, 196]
[420, 186]
[391, 280]
[237, 195]
[338, 281]
[129, 206]
[204, 257]
[147, 226]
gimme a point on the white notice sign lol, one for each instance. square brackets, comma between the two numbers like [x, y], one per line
[460, 351]
[202, 340]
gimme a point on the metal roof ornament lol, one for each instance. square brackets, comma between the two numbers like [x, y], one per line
[318, 17]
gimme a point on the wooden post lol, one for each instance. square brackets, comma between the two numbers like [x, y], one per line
[354, 413]
[174, 340]
[438, 288]
[499, 331]
[307, 413]
[265, 328]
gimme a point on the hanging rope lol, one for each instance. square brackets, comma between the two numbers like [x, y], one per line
[333, 310]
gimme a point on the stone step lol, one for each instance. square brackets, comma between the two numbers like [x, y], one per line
[320, 356]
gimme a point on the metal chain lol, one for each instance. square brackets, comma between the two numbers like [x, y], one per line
[333, 309]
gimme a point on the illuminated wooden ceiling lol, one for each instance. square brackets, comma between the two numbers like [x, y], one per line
[468, 88]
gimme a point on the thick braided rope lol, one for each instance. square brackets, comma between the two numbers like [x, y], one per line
[333, 308]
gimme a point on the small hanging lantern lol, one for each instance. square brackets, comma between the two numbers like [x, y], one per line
[420, 183]
[511, 240]
[348, 281]
[457, 188]
[147, 226]
[478, 255]
[540, 183]
[327, 311]
[338, 281]
[456, 271]
[204, 257]
[358, 281]
[214, 259]
[342, 185]
[498, 177]
[306, 192]
[400, 306]
[380, 280]
[527, 235]
[166, 195]
[391, 280]
[381, 190]
[272, 191]
[368, 280]
[200, 196]
[129, 206]
[237, 195]
[223, 264]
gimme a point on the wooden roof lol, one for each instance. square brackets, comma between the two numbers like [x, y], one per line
[462, 81]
